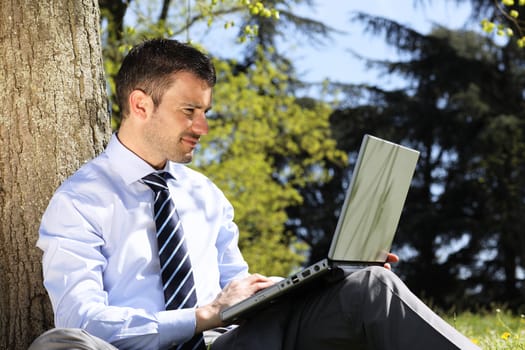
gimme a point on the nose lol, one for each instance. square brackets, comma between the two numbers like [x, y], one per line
[200, 124]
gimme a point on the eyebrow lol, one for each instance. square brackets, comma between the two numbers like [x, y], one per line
[193, 105]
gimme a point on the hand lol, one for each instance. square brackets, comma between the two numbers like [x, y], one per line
[208, 315]
[391, 258]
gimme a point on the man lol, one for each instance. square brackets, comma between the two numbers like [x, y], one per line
[103, 254]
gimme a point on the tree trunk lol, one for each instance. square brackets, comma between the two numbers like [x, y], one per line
[53, 117]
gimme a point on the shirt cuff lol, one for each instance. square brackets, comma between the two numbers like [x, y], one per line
[176, 326]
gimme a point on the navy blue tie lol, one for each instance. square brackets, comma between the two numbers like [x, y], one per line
[175, 264]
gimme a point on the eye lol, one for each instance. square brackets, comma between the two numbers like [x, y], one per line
[188, 111]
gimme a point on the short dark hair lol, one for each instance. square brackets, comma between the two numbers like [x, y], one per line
[150, 66]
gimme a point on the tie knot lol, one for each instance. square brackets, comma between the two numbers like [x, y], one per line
[157, 181]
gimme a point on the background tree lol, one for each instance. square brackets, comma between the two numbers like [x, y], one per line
[53, 117]
[463, 94]
[263, 146]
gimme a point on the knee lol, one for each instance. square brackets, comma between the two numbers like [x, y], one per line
[50, 338]
[373, 280]
[382, 274]
[72, 338]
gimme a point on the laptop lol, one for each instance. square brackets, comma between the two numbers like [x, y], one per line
[366, 226]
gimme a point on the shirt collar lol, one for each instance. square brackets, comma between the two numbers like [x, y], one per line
[131, 167]
[126, 163]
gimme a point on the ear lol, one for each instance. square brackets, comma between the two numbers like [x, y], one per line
[140, 104]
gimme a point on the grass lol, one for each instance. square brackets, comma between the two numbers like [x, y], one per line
[498, 329]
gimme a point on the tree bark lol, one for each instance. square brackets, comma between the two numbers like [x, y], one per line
[53, 117]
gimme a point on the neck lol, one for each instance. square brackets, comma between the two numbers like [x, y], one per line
[132, 141]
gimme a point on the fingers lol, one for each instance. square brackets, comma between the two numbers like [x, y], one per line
[247, 286]
[256, 282]
[256, 277]
[392, 258]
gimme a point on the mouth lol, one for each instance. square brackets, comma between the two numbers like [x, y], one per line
[190, 140]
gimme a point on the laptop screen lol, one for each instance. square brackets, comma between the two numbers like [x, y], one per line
[374, 201]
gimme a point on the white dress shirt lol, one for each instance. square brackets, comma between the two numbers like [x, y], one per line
[100, 263]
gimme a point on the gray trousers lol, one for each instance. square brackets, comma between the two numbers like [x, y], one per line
[69, 339]
[370, 309]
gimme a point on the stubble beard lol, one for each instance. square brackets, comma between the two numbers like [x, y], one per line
[180, 154]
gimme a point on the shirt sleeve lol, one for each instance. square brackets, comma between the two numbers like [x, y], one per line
[231, 262]
[73, 266]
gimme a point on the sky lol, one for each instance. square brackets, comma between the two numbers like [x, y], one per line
[334, 61]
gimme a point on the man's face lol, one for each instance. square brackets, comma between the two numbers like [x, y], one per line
[175, 126]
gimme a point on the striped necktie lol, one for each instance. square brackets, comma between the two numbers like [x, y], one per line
[175, 264]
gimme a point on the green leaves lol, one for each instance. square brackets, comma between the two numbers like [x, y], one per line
[263, 146]
[508, 21]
